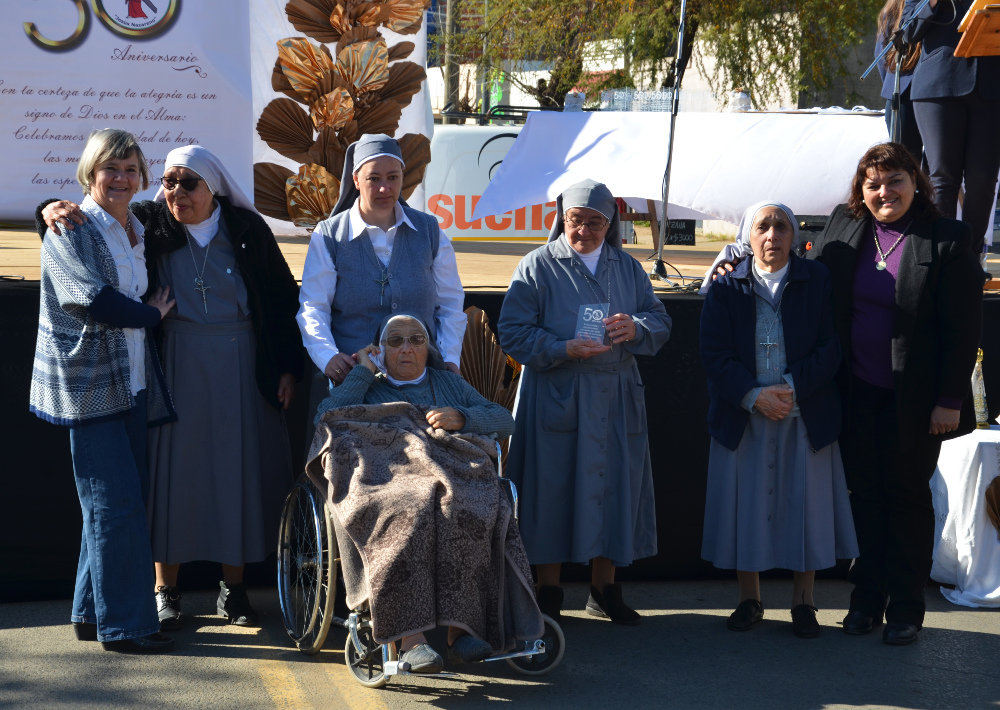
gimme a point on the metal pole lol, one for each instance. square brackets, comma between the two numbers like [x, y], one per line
[894, 129]
[659, 270]
[451, 78]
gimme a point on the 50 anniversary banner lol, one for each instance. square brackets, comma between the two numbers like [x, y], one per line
[173, 72]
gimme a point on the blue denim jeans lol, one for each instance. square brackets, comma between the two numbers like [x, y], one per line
[114, 580]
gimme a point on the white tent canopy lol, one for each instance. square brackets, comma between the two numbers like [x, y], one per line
[722, 161]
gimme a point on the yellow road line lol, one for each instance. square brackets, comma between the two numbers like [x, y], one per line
[355, 696]
[279, 680]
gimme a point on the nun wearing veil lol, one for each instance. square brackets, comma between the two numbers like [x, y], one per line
[231, 356]
[776, 495]
[375, 256]
[578, 311]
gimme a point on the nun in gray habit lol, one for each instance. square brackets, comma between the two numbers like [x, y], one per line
[776, 494]
[577, 312]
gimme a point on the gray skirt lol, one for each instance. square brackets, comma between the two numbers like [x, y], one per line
[219, 474]
[776, 503]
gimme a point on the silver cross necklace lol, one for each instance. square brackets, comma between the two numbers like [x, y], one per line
[768, 344]
[199, 283]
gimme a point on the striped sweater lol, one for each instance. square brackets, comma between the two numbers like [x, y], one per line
[81, 368]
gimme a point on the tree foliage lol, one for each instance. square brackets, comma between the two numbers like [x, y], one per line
[766, 47]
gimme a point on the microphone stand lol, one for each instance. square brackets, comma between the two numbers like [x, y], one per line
[659, 270]
[896, 40]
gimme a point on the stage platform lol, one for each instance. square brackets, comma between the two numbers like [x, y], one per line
[39, 511]
[481, 265]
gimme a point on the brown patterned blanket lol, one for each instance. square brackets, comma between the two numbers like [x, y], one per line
[426, 533]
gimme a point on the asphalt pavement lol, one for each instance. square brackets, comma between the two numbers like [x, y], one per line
[682, 656]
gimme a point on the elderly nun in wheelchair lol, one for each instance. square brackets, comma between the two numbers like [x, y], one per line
[427, 535]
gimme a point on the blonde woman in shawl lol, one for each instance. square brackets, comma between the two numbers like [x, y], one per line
[231, 356]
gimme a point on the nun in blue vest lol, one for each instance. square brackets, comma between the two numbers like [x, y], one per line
[777, 496]
[374, 257]
[578, 311]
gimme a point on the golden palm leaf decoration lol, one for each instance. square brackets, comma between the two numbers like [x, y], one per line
[365, 65]
[285, 127]
[416, 149]
[333, 110]
[406, 15]
[405, 79]
[400, 50]
[304, 65]
[358, 34]
[485, 366]
[330, 148]
[311, 195]
[376, 116]
[370, 14]
[313, 18]
[269, 190]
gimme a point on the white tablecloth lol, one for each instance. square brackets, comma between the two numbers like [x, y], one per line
[966, 548]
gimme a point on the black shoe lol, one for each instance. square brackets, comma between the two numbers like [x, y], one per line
[85, 631]
[423, 659]
[469, 649]
[234, 604]
[748, 614]
[858, 623]
[550, 600]
[168, 608]
[154, 643]
[610, 605]
[804, 624]
[897, 633]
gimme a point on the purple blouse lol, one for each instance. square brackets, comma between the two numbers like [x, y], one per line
[874, 303]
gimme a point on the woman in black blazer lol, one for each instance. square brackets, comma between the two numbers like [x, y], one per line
[956, 101]
[907, 298]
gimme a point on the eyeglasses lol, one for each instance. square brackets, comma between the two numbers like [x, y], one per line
[189, 183]
[396, 341]
[594, 225]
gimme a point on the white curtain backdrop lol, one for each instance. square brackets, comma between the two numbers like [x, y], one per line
[722, 161]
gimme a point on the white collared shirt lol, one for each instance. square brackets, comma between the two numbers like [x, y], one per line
[132, 279]
[319, 285]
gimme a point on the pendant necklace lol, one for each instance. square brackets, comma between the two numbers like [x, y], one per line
[383, 279]
[588, 276]
[767, 334]
[881, 264]
[198, 277]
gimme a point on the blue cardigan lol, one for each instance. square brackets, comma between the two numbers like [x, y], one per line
[811, 350]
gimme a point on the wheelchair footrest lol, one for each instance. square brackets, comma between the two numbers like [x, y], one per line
[397, 668]
[537, 647]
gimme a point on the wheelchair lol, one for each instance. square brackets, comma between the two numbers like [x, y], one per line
[308, 572]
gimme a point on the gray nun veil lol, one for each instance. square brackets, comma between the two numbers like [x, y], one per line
[592, 195]
[367, 147]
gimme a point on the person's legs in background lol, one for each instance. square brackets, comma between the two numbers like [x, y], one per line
[943, 127]
[982, 163]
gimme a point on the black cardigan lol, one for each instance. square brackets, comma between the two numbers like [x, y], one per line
[272, 294]
[937, 321]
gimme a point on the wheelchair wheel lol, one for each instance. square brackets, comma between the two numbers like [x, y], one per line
[306, 568]
[367, 668]
[542, 663]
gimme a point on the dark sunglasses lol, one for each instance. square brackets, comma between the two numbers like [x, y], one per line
[396, 341]
[188, 183]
